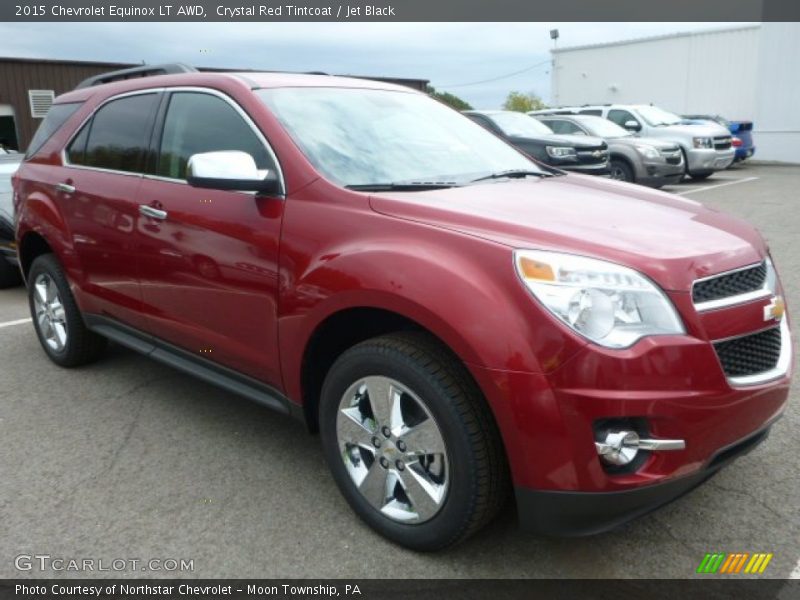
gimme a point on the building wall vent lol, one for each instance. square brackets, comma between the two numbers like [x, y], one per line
[40, 101]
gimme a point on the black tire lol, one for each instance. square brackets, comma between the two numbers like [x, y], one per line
[82, 346]
[10, 275]
[478, 478]
[701, 175]
[620, 170]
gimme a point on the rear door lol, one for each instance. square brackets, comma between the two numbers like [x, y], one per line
[97, 191]
[208, 258]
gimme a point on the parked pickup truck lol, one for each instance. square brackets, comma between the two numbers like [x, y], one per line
[742, 132]
[453, 317]
[706, 147]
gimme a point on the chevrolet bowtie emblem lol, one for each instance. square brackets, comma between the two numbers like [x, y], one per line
[775, 310]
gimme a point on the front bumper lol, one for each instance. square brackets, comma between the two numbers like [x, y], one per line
[700, 160]
[673, 384]
[585, 513]
[659, 173]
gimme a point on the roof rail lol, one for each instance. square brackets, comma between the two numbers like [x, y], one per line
[134, 72]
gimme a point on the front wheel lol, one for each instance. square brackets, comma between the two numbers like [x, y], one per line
[410, 441]
[701, 175]
[621, 171]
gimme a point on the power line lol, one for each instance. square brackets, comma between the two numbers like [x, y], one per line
[457, 85]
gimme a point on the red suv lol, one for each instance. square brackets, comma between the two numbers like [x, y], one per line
[453, 317]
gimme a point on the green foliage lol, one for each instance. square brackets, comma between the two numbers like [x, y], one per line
[449, 99]
[520, 102]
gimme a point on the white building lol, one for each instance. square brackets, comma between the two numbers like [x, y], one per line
[749, 73]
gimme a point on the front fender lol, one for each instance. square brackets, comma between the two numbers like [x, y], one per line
[461, 288]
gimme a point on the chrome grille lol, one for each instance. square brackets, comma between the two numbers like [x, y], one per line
[750, 354]
[734, 283]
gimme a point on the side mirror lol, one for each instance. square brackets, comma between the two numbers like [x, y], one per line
[632, 125]
[229, 170]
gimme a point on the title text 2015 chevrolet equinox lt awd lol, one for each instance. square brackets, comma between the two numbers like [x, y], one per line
[453, 317]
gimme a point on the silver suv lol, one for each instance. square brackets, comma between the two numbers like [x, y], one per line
[647, 161]
[706, 148]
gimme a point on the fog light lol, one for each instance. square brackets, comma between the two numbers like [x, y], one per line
[620, 447]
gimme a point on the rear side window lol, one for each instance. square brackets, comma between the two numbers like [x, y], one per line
[56, 117]
[117, 136]
[197, 123]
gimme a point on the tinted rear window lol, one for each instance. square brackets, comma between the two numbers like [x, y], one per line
[118, 134]
[56, 117]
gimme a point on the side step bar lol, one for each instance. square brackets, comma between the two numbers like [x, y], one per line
[204, 369]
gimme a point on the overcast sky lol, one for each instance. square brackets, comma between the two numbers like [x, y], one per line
[456, 57]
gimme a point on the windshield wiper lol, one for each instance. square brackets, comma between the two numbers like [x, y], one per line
[401, 186]
[513, 174]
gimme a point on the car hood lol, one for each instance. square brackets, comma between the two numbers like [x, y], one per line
[575, 141]
[648, 141]
[704, 130]
[671, 239]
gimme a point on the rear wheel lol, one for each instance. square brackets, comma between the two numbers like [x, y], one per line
[621, 171]
[56, 317]
[411, 442]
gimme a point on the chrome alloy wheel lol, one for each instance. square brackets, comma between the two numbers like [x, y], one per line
[393, 449]
[50, 317]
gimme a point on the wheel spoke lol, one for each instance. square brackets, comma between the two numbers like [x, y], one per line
[424, 438]
[52, 291]
[373, 486]
[384, 399]
[423, 494]
[41, 291]
[352, 429]
[60, 334]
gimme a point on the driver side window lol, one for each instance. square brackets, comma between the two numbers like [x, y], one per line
[620, 117]
[564, 127]
[197, 122]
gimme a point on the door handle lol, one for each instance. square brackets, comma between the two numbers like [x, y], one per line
[66, 188]
[153, 213]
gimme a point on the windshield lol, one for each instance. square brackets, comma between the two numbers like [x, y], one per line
[658, 116]
[516, 124]
[362, 136]
[600, 127]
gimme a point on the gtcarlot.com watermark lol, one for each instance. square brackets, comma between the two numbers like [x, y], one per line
[60, 564]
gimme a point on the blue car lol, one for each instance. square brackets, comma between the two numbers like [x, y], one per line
[742, 132]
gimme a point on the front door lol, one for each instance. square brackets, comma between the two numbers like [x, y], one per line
[208, 258]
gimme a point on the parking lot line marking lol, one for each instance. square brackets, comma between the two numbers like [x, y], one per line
[17, 322]
[719, 185]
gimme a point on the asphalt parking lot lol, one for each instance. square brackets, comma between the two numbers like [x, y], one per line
[130, 459]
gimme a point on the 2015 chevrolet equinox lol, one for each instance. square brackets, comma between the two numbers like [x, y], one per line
[453, 317]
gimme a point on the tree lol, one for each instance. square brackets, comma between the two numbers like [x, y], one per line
[523, 102]
[449, 99]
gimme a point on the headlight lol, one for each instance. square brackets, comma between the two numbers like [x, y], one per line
[611, 305]
[647, 151]
[703, 142]
[772, 278]
[560, 152]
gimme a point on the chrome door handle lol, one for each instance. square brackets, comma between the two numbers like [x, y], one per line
[154, 213]
[66, 188]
